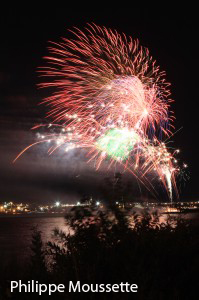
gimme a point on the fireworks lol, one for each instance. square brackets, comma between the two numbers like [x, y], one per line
[110, 97]
[117, 143]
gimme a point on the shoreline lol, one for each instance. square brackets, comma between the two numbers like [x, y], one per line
[33, 214]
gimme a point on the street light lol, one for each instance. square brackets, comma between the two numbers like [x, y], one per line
[57, 203]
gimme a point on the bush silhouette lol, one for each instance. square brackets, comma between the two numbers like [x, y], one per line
[114, 246]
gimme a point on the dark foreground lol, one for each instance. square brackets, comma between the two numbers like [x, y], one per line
[102, 247]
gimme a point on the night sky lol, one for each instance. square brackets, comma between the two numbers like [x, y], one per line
[172, 38]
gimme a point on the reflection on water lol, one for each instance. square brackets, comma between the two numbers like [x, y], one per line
[16, 233]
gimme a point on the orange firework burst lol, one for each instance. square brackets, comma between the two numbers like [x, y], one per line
[102, 77]
[110, 97]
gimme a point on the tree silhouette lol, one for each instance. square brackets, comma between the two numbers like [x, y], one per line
[37, 259]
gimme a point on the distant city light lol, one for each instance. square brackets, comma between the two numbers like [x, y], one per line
[24, 208]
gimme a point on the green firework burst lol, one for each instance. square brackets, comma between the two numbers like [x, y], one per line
[118, 143]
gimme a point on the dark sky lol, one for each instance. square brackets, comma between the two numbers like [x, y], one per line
[172, 38]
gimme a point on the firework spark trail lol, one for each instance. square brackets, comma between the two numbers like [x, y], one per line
[110, 97]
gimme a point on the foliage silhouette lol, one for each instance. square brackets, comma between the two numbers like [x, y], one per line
[112, 246]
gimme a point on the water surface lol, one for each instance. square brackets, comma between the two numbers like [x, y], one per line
[16, 234]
